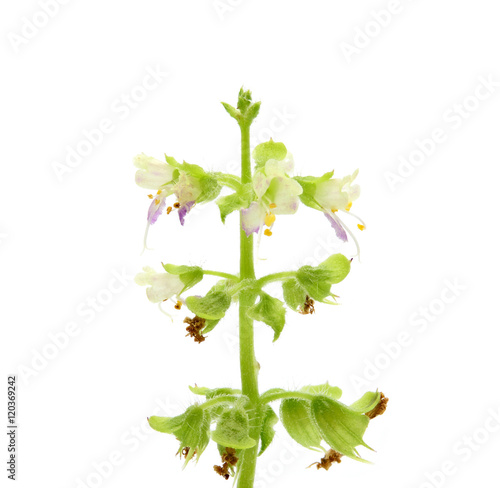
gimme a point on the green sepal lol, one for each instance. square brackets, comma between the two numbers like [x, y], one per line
[189, 275]
[214, 304]
[317, 281]
[295, 294]
[209, 185]
[366, 403]
[295, 416]
[271, 311]
[232, 429]
[233, 112]
[267, 432]
[210, 325]
[192, 429]
[268, 150]
[340, 427]
[236, 201]
[308, 184]
[325, 389]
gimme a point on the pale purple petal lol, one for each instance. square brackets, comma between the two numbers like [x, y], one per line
[337, 226]
[184, 210]
[155, 209]
[253, 218]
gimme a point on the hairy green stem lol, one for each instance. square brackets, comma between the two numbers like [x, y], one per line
[221, 274]
[279, 395]
[248, 363]
[284, 275]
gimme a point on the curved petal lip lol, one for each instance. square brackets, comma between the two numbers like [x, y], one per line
[337, 227]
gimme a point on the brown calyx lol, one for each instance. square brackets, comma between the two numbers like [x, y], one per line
[326, 462]
[379, 409]
[308, 307]
[194, 328]
[228, 459]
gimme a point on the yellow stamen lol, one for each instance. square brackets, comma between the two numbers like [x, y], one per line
[361, 227]
[268, 233]
[158, 192]
[269, 220]
[177, 205]
[150, 196]
[273, 205]
[178, 305]
[169, 209]
[334, 210]
[348, 207]
[157, 201]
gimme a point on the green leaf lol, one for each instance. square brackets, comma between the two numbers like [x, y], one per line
[342, 428]
[167, 425]
[308, 184]
[271, 311]
[189, 275]
[366, 403]
[232, 430]
[295, 416]
[192, 429]
[236, 201]
[213, 305]
[267, 432]
[294, 294]
[325, 389]
[244, 100]
[269, 150]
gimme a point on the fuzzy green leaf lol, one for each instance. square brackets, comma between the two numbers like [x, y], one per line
[341, 427]
[267, 432]
[271, 311]
[214, 304]
[295, 416]
[269, 150]
[232, 430]
[294, 294]
[236, 201]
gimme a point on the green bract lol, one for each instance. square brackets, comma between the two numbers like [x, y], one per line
[267, 432]
[213, 305]
[270, 311]
[296, 418]
[232, 429]
[269, 150]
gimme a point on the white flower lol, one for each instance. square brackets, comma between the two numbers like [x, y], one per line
[152, 173]
[162, 286]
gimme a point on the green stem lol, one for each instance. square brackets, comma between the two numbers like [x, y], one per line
[284, 275]
[279, 395]
[221, 274]
[248, 364]
[220, 399]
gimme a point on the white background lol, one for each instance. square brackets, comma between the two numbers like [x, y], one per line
[432, 234]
